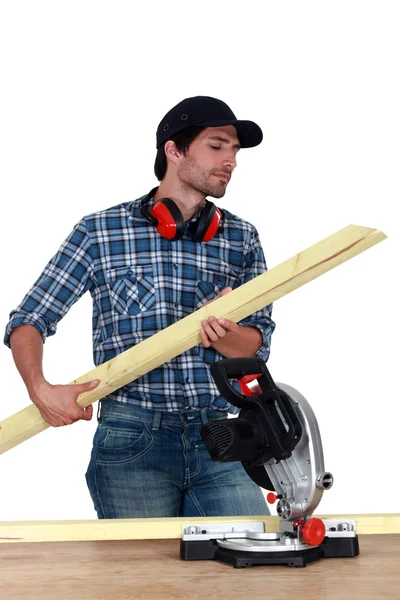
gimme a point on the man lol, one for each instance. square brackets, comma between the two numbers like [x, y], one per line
[147, 264]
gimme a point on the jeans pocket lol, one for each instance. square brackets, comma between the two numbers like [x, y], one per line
[119, 444]
[132, 289]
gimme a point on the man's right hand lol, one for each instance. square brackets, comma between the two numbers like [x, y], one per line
[57, 403]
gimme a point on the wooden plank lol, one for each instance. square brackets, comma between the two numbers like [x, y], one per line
[146, 529]
[183, 335]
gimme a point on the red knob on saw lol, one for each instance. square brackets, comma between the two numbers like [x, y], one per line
[313, 532]
[271, 497]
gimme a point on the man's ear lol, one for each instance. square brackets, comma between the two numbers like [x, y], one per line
[171, 152]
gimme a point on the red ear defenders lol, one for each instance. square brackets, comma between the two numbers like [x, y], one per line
[169, 222]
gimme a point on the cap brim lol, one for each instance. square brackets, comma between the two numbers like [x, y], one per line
[249, 133]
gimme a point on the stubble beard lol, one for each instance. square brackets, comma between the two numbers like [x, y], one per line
[193, 177]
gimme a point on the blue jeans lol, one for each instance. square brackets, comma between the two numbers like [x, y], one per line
[148, 463]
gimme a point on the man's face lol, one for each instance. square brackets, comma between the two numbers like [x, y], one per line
[210, 161]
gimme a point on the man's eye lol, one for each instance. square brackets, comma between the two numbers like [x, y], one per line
[216, 147]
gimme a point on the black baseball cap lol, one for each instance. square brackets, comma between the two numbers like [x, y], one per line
[206, 112]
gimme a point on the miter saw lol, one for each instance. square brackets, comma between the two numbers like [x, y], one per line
[276, 438]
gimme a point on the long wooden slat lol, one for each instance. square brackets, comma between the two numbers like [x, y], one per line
[146, 529]
[183, 335]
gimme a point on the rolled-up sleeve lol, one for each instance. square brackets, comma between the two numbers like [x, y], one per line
[255, 264]
[65, 278]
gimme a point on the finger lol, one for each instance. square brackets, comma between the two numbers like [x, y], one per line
[68, 421]
[225, 291]
[51, 421]
[54, 421]
[216, 327]
[50, 418]
[222, 293]
[228, 325]
[86, 387]
[204, 339]
[212, 336]
[58, 418]
[87, 413]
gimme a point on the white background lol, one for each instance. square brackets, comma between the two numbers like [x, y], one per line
[83, 87]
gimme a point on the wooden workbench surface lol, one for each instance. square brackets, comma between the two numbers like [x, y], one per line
[121, 570]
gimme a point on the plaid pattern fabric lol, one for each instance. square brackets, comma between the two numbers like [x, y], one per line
[141, 283]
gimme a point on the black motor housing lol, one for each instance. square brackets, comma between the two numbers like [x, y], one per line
[267, 426]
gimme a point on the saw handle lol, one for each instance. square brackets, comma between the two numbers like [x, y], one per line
[237, 369]
[269, 405]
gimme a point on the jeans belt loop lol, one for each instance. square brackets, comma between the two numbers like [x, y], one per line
[157, 420]
[203, 416]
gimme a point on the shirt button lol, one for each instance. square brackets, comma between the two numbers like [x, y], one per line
[176, 304]
[187, 379]
[176, 266]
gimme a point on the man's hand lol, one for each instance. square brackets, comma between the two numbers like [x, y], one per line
[57, 403]
[214, 329]
[228, 338]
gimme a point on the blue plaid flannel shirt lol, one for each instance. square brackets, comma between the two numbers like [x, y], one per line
[141, 283]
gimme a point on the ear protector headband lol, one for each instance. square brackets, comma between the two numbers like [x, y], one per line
[168, 220]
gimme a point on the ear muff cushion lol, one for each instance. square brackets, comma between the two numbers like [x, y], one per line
[209, 223]
[170, 221]
[214, 226]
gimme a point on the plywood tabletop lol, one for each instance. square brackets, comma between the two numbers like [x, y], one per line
[123, 569]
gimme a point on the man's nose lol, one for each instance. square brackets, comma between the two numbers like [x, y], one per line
[230, 161]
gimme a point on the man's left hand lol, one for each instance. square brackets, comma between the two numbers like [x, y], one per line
[215, 329]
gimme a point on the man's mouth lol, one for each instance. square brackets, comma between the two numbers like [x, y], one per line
[223, 176]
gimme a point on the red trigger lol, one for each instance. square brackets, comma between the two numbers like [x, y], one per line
[247, 379]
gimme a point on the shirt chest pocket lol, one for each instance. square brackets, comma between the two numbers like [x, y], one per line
[132, 289]
[210, 284]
